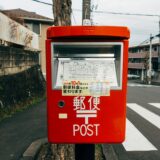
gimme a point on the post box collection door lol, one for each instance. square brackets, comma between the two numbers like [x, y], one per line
[86, 84]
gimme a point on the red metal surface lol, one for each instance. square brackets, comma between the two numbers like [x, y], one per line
[112, 113]
[85, 31]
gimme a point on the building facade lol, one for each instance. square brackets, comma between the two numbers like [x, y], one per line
[36, 23]
[19, 47]
[138, 60]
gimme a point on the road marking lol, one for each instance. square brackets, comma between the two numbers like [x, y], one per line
[135, 141]
[140, 85]
[63, 115]
[157, 105]
[146, 114]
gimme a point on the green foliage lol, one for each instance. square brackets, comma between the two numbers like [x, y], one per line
[8, 112]
[98, 152]
[19, 91]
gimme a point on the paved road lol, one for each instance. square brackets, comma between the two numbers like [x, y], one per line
[18, 132]
[143, 125]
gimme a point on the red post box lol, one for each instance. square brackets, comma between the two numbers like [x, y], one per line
[86, 83]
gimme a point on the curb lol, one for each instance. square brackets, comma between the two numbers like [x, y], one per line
[33, 149]
[109, 152]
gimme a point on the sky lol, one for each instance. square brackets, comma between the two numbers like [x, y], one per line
[140, 27]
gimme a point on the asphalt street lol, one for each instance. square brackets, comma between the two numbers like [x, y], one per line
[142, 133]
[19, 131]
[143, 125]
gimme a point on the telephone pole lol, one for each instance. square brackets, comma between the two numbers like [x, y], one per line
[150, 61]
[159, 48]
[86, 12]
[85, 151]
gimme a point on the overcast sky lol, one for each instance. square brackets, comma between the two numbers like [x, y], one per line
[140, 27]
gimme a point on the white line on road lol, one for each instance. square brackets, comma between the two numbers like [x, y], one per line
[157, 105]
[146, 114]
[140, 85]
[135, 141]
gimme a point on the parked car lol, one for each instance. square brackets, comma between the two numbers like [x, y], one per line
[133, 76]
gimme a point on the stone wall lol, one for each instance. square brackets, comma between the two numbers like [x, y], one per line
[14, 60]
[17, 88]
[20, 76]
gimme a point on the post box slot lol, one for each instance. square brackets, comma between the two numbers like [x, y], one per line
[100, 61]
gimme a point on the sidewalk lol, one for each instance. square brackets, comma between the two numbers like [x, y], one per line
[18, 132]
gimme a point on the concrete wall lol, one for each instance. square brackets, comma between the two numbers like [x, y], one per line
[13, 32]
[14, 60]
[42, 39]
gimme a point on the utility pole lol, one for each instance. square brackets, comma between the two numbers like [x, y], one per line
[159, 48]
[150, 61]
[86, 12]
[85, 151]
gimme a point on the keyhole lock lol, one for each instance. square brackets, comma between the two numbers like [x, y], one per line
[61, 104]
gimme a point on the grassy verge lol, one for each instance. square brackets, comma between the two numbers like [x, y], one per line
[98, 152]
[47, 152]
[10, 111]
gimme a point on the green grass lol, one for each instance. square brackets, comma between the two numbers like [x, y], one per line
[10, 111]
[99, 152]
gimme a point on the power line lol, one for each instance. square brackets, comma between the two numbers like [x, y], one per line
[43, 2]
[128, 14]
[109, 12]
[122, 13]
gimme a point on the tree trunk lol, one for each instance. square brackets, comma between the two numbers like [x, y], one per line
[62, 17]
[63, 152]
[62, 12]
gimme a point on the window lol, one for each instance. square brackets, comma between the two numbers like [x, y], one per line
[36, 28]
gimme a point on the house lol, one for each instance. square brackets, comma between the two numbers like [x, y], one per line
[138, 59]
[35, 22]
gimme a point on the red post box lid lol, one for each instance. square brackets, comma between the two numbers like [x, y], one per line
[88, 31]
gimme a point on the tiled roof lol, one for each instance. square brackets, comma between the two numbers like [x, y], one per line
[23, 14]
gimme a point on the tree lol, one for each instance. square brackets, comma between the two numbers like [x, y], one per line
[62, 17]
[62, 12]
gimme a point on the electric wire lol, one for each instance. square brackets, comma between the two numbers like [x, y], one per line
[43, 2]
[109, 12]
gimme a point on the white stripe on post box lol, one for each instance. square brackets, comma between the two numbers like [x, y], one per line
[63, 116]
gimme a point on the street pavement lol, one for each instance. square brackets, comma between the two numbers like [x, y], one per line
[142, 132]
[143, 124]
[19, 131]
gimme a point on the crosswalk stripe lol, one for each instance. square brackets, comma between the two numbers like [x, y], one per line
[157, 105]
[135, 141]
[140, 85]
[146, 114]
